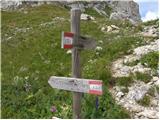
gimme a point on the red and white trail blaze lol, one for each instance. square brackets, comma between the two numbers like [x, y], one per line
[67, 40]
[95, 87]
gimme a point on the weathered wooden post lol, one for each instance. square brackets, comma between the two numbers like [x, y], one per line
[73, 40]
[76, 69]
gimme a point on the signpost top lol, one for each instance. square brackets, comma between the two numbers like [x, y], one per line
[75, 8]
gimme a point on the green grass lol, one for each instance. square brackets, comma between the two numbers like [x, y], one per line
[92, 12]
[124, 81]
[30, 58]
[127, 81]
[108, 10]
[145, 101]
[151, 59]
[145, 77]
[152, 22]
[125, 90]
[111, 110]
[138, 28]
[132, 63]
[153, 90]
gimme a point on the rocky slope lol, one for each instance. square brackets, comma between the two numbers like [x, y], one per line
[138, 90]
[113, 9]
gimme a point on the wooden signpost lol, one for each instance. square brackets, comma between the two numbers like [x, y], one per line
[73, 40]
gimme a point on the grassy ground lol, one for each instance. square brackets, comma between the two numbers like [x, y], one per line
[30, 57]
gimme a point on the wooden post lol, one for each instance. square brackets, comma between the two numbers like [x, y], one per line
[76, 69]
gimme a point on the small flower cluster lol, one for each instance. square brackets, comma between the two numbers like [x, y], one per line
[53, 109]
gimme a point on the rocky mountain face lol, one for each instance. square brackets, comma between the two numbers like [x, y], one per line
[123, 10]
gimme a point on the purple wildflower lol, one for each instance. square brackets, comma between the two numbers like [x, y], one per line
[53, 109]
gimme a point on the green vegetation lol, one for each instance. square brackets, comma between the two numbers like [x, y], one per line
[152, 22]
[127, 81]
[124, 81]
[153, 90]
[145, 77]
[145, 101]
[92, 12]
[108, 10]
[30, 56]
[125, 90]
[111, 110]
[151, 60]
[132, 63]
[138, 28]
[157, 88]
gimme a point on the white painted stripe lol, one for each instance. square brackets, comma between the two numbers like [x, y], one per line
[62, 44]
[96, 87]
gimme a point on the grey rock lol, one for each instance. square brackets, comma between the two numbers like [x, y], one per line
[155, 79]
[118, 15]
[154, 102]
[86, 17]
[109, 29]
[126, 10]
[120, 94]
[99, 7]
[137, 91]
[150, 31]
[136, 108]
[149, 114]
[120, 9]
[103, 29]
[69, 52]
[114, 27]
[5, 5]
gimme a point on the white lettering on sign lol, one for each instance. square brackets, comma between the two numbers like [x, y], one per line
[68, 40]
[95, 87]
[76, 84]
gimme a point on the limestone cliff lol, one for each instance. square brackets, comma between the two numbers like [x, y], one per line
[113, 9]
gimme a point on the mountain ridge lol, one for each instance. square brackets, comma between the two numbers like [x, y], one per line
[123, 10]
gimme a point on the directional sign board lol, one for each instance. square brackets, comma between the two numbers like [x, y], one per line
[83, 42]
[76, 84]
[67, 40]
[87, 42]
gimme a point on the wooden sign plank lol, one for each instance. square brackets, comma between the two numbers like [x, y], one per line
[83, 42]
[87, 43]
[76, 84]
